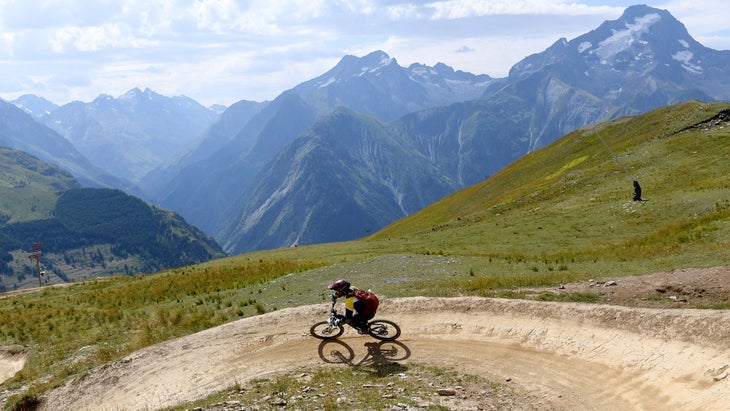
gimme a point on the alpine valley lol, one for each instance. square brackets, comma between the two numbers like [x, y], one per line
[366, 143]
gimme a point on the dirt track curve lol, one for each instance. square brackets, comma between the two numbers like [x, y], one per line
[569, 356]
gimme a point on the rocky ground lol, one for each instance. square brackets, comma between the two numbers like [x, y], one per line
[683, 288]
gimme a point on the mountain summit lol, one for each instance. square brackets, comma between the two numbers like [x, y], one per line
[645, 51]
[132, 134]
[34, 105]
[376, 85]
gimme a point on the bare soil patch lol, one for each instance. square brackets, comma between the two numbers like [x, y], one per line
[682, 288]
[10, 362]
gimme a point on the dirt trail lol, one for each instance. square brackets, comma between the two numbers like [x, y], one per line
[10, 363]
[569, 356]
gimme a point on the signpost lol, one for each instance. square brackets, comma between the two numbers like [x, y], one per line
[37, 255]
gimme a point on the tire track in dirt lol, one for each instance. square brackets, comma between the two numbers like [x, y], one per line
[570, 356]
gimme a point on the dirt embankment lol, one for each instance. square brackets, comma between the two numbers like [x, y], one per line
[10, 363]
[568, 356]
[682, 288]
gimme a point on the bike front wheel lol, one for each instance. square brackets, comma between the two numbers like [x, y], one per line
[326, 331]
[384, 330]
[335, 352]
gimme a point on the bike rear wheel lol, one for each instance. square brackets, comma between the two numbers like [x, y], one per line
[326, 331]
[383, 330]
[393, 350]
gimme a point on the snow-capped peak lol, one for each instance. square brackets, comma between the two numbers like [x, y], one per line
[621, 40]
[136, 94]
[373, 67]
[685, 58]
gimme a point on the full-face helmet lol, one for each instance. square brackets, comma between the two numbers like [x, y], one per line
[340, 286]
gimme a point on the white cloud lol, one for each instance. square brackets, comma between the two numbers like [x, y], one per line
[215, 15]
[96, 38]
[7, 41]
[708, 21]
[457, 9]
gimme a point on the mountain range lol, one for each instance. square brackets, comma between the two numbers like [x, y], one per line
[130, 135]
[644, 60]
[369, 141]
[211, 191]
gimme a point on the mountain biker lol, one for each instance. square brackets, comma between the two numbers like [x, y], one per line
[358, 311]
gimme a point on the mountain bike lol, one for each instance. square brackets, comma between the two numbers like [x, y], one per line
[333, 327]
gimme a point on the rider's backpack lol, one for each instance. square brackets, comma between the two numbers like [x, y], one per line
[371, 301]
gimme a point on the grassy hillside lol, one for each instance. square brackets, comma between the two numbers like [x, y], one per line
[84, 232]
[29, 187]
[571, 202]
[559, 214]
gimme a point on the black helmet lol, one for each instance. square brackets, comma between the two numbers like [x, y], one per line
[340, 286]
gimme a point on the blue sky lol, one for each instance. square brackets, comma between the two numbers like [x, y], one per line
[223, 51]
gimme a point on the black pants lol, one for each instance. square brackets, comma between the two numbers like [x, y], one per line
[359, 320]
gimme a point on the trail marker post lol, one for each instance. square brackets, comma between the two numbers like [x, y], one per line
[37, 255]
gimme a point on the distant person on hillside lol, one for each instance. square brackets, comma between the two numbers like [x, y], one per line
[360, 306]
[637, 191]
